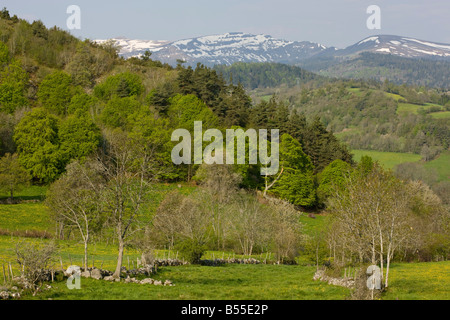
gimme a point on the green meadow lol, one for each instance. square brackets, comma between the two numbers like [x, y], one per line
[419, 281]
[408, 281]
[231, 282]
[441, 115]
[442, 165]
[406, 108]
[415, 281]
[388, 159]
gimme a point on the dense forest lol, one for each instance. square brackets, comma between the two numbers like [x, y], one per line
[368, 116]
[375, 66]
[262, 75]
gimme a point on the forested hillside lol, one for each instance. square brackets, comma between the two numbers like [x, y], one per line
[382, 117]
[60, 104]
[433, 73]
[263, 75]
[368, 115]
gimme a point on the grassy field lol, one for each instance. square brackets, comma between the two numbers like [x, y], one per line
[29, 193]
[441, 115]
[394, 96]
[441, 165]
[405, 108]
[234, 282]
[408, 281]
[391, 159]
[104, 255]
[387, 159]
[419, 281]
[25, 216]
[356, 91]
[311, 225]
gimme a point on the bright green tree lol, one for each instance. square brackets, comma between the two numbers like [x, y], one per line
[118, 109]
[78, 137]
[184, 110]
[36, 137]
[81, 103]
[333, 176]
[150, 136]
[55, 92]
[122, 85]
[296, 182]
[13, 82]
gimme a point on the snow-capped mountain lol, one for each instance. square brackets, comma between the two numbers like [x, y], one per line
[242, 47]
[229, 48]
[130, 47]
[226, 49]
[400, 46]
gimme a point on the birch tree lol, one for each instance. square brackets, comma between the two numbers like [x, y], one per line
[372, 214]
[75, 199]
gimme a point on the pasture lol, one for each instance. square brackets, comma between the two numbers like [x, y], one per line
[236, 282]
[388, 159]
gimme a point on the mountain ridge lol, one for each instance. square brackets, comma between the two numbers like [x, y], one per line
[232, 47]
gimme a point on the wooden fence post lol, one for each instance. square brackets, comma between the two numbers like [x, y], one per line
[10, 269]
[4, 275]
[9, 275]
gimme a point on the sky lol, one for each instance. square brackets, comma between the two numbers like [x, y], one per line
[338, 23]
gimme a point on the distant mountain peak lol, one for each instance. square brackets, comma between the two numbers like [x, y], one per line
[231, 47]
[401, 46]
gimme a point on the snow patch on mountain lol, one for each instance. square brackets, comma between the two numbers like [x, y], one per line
[134, 47]
[369, 39]
[400, 46]
[232, 47]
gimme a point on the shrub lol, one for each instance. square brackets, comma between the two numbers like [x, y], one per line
[34, 259]
[191, 250]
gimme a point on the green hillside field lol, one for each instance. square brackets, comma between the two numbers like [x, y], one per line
[387, 159]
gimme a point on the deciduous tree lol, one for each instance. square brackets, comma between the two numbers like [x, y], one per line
[13, 176]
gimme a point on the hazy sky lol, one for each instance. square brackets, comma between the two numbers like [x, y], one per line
[330, 22]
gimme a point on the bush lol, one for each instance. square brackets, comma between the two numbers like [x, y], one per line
[191, 250]
[35, 258]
